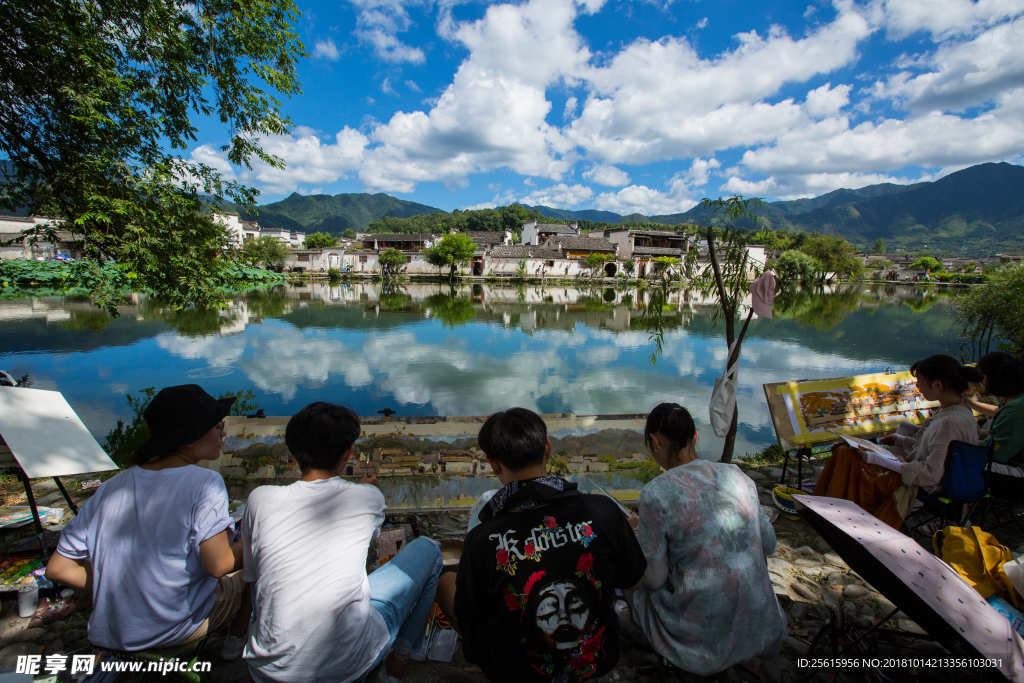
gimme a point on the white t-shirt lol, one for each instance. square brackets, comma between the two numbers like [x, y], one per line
[305, 552]
[141, 532]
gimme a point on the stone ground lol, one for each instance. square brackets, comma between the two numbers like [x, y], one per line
[810, 579]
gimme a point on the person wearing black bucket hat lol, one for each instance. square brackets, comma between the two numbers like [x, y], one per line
[155, 542]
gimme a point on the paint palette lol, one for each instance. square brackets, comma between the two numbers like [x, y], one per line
[21, 570]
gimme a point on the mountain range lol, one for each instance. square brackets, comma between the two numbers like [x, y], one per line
[978, 210]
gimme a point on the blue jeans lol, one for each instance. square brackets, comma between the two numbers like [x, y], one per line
[402, 591]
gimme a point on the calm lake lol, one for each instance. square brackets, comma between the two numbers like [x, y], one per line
[425, 349]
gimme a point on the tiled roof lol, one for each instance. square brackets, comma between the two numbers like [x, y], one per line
[582, 243]
[649, 233]
[658, 251]
[399, 237]
[62, 235]
[525, 251]
[491, 236]
[559, 228]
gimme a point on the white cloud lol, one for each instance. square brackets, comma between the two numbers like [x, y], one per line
[570, 108]
[834, 146]
[943, 18]
[385, 87]
[326, 49]
[604, 174]
[809, 185]
[493, 114]
[699, 173]
[378, 24]
[560, 196]
[826, 100]
[702, 23]
[642, 199]
[963, 74]
[661, 100]
[309, 161]
[411, 85]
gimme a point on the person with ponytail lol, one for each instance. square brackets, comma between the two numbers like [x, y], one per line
[707, 602]
[1004, 379]
[887, 488]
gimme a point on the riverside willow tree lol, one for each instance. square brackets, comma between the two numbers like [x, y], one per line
[725, 278]
[97, 107]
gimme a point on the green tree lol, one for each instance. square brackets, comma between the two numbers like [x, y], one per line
[98, 107]
[879, 247]
[389, 261]
[594, 262]
[450, 251]
[834, 253]
[320, 240]
[796, 265]
[521, 269]
[992, 311]
[349, 234]
[265, 251]
[772, 239]
[663, 263]
[927, 263]
[629, 266]
[451, 309]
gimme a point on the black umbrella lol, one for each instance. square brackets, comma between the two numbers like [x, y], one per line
[924, 587]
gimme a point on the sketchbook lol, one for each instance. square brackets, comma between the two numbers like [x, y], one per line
[862, 445]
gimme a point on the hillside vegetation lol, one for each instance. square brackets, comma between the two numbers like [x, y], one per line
[976, 211]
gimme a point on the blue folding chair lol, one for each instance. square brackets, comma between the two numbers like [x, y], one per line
[964, 485]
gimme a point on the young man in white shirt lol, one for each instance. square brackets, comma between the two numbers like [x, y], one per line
[318, 616]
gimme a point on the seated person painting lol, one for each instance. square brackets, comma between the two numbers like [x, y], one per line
[707, 601]
[1004, 379]
[887, 488]
[153, 542]
[534, 593]
[318, 616]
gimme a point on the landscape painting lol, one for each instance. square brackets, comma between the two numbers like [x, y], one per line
[430, 463]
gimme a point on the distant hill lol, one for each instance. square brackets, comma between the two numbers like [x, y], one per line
[979, 210]
[585, 214]
[335, 214]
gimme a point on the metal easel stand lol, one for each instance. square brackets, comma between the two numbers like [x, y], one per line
[20, 473]
[800, 454]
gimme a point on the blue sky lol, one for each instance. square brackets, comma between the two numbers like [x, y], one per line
[646, 107]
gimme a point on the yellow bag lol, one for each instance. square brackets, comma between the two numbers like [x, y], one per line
[978, 557]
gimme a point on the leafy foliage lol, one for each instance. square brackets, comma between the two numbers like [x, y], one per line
[796, 265]
[321, 240]
[629, 266]
[510, 218]
[594, 262]
[834, 254]
[992, 311]
[265, 251]
[390, 260]
[451, 309]
[97, 110]
[23, 277]
[349, 234]
[927, 263]
[450, 251]
[879, 247]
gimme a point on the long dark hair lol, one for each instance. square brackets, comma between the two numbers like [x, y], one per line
[1004, 372]
[947, 370]
[673, 422]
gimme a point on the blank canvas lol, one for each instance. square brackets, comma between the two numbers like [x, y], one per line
[45, 435]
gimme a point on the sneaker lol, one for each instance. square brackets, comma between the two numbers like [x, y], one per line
[929, 528]
[233, 647]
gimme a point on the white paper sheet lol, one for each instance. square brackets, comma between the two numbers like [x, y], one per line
[45, 435]
[861, 444]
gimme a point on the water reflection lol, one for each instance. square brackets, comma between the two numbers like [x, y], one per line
[432, 349]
